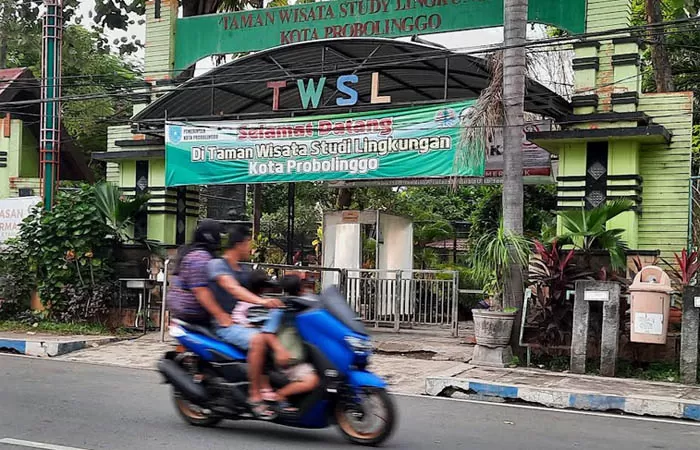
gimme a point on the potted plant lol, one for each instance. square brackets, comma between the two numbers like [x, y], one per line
[132, 255]
[491, 261]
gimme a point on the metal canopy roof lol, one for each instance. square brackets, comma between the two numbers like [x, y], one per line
[411, 73]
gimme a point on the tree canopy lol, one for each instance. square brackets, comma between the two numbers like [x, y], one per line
[89, 67]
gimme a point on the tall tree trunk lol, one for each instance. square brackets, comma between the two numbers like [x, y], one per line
[3, 52]
[663, 76]
[514, 61]
[257, 208]
[344, 198]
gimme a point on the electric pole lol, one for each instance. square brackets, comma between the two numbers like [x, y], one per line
[50, 140]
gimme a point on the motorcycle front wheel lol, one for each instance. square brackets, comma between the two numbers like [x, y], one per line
[193, 414]
[369, 423]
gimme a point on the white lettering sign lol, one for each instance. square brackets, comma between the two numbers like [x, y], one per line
[596, 296]
[648, 323]
[12, 212]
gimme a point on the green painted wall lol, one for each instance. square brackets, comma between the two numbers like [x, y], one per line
[160, 42]
[623, 159]
[604, 15]
[666, 170]
[29, 153]
[22, 169]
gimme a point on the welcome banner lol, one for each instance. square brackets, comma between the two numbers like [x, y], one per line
[400, 143]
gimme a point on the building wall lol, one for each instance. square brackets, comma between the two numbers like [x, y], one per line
[655, 176]
[21, 169]
[666, 171]
[604, 15]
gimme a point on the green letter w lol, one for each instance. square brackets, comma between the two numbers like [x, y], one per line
[311, 92]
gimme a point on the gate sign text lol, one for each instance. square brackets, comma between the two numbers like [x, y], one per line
[255, 30]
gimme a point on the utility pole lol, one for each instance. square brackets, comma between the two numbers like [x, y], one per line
[514, 71]
[50, 140]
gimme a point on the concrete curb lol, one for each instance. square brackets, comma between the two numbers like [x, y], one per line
[568, 399]
[50, 348]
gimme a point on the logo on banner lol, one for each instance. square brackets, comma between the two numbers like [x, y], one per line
[175, 134]
[446, 118]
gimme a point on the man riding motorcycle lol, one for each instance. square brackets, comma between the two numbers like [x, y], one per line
[191, 299]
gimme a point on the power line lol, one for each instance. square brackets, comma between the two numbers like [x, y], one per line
[198, 82]
[467, 50]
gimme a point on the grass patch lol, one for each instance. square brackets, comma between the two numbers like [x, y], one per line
[63, 328]
[655, 371]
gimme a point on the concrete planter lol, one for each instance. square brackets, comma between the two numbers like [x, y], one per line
[493, 328]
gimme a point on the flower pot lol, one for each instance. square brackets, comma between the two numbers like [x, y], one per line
[492, 328]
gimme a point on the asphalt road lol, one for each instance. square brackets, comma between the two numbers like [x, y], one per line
[83, 406]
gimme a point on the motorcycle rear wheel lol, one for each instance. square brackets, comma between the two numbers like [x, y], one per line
[192, 414]
[351, 425]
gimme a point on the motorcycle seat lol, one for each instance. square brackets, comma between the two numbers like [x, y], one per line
[208, 332]
[199, 329]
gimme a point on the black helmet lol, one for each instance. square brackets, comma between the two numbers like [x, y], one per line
[208, 234]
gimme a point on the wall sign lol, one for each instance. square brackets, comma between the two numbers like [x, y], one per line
[400, 143]
[649, 323]
[254, 30]
[12, 212]
[596, 296]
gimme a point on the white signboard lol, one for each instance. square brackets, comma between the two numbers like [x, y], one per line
[648, 323]
[596, 296]
[12, 212]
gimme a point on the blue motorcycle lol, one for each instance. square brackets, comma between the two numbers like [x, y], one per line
[210, 377]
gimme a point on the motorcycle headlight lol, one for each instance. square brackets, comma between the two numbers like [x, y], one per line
[359, 345]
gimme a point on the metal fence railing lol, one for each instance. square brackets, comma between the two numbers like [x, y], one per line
[404, 298]
[383, 298]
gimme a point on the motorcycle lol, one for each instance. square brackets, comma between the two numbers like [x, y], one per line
[210, 378]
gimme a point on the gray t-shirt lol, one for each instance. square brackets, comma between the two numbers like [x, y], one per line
[218, 267]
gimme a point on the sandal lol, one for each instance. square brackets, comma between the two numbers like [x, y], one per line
[286, 408]
[269, 395]
[261, 410]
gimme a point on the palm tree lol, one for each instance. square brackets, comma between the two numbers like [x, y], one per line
[502, 102]
[514, 69]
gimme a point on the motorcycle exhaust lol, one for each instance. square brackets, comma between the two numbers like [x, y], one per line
[182, 381]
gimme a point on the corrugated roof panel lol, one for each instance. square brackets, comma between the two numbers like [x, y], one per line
[409, 72]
